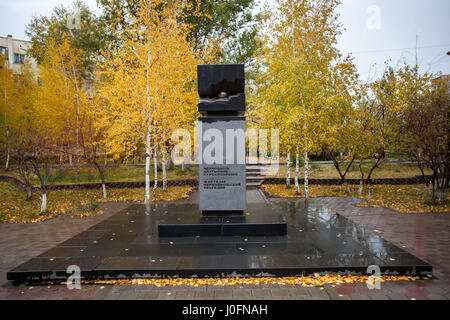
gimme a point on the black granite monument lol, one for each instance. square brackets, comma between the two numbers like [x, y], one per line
[222, 155]
[222, 188]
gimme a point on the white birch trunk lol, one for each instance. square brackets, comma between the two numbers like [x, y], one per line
[430, 192]
[164, 174]
[67, 98]
[306, 156]
[435, 188]
[360, 189]
[78, 112]
[297, 187]
[440, 196]
[147, 146]
[155, 161]
[368, 193]
[347, 188]
[105, 195]
[44, 202]
[7, 137]
[288, 170]
[306, 171]
[7, 131]
[147, 169]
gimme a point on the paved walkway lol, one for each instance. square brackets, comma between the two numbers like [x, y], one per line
[424, 235]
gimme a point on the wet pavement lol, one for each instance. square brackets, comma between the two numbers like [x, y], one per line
[424, 235]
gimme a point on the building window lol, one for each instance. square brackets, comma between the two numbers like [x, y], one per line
[19, 58]
[4, 52]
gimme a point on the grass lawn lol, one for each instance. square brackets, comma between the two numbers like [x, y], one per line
[123, 174]
[403, 198]
[80, 203]
[387, 170]
[112, 174]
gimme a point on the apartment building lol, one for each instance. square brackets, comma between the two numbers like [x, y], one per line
[15, 53]
[444, 78]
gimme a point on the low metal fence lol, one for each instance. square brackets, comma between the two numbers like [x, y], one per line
[194, 182]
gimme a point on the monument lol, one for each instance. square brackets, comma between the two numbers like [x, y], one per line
[222, 156]
[221, 132]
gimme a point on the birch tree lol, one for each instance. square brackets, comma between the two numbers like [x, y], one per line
[288, 170]
[426, 135]
[92, 137]
[140, 79]
[342, 137]
[59, 95]
[380, 117]
[6, 106]
[303, 75]
[422, 129]
[31, 137]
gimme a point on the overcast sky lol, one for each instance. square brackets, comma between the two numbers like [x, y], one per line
[376, 30]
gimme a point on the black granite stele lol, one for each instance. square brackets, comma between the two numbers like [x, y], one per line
[221, 78]
[222, 178]
[228, 104]
[216, 78]
[222, 181]
[127, 245]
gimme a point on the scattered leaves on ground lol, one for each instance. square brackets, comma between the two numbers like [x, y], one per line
[403, 198]
[14, 208]
[315, 280]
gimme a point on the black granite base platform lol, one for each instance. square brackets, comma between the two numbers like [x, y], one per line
[262, 222]
[127, 245]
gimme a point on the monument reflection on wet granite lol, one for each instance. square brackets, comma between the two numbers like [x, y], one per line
[222, 155]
